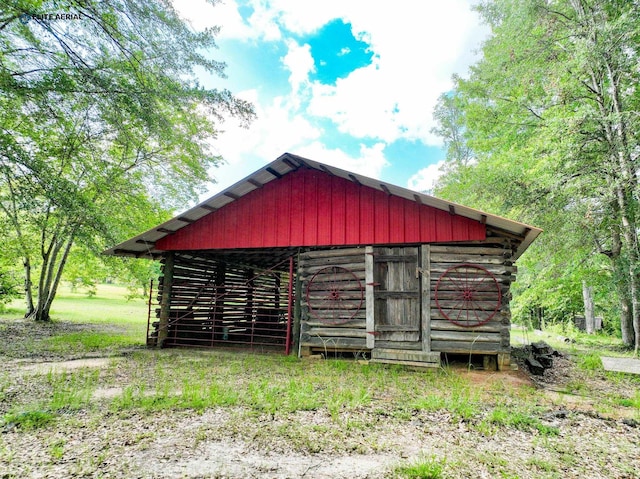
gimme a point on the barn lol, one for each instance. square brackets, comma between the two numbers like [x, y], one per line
[308, 256]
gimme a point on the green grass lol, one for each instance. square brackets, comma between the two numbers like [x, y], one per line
[424, 468]
[109, 306]
[351, 404]
[517, 419]
[28, 420]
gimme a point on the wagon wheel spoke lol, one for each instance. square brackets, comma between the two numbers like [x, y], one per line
[340, 292]
[468, 295]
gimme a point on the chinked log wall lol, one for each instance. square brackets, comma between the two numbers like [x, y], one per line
[322, 327]
[489, 338]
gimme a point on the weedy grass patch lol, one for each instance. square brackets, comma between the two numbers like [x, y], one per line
[517, 419]
[28, 420]
[424, 468]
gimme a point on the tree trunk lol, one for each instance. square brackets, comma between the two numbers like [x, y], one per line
[50, 276]
[626, 321]
[589, 318]
[630, 240]
[28, 291]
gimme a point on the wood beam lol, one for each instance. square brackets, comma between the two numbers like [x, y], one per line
[385, 189]
[233, 196]
[418, 199]
[165, 230]
[452, 210]
[274, 172]
[208, 207]
[354, 179]
[290, 163]
[326, 170]
[185, 219]
[255, 183]
[145, 242]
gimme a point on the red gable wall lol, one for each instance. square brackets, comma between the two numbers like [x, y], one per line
[311, 208]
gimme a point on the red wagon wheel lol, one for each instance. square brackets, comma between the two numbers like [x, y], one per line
[468, 295]
[334, 295]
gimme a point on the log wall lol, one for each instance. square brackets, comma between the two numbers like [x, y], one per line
[489, 338]
[333, 322]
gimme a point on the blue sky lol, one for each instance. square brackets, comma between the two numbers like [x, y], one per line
[350, 83]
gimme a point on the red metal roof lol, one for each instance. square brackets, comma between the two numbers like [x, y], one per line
[308, 207]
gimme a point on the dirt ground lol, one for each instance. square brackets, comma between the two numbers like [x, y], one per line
[233, 442]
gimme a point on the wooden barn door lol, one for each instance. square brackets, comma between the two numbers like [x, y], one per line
[400, 308]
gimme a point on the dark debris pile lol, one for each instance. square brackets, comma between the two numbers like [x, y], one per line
[537, 357]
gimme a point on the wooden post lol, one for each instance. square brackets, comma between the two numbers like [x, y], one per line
[287, 347]
[425, 288]
[165, 300]
[589, 319]
[297, 309]
[369, 298]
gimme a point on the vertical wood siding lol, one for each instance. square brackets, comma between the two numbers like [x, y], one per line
[311, 208]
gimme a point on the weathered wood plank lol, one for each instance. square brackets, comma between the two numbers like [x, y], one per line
[495, 269]
[369, 297]
[470, 336]
[332, 252]
[471, 250]
[328, 305]
[406, 345]
[334, 260]
[490, 327]
[383, 295]
[357, 323]
[466, 347]
[425, 282]
[466, 258]
[334, 343]
[403, 355]
[399, 336]
[350, 266]
[336, 332]
[397, 327]
[306, 276]
[394, 258]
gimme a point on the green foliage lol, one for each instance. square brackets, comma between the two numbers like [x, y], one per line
[104, 130]
[549, 116]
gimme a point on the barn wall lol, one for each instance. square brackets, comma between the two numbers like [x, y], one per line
[322, 327]
[321, 331]
[490, 338]
[311, 208]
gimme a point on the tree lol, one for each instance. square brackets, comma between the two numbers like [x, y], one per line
[104, 126]
[551, 113]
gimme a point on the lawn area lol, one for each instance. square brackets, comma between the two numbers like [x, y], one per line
[81, 324]
[118, 409]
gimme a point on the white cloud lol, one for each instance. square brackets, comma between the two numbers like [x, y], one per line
[299, 62]
[415, 58]
[417, 46]
[426, 178]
